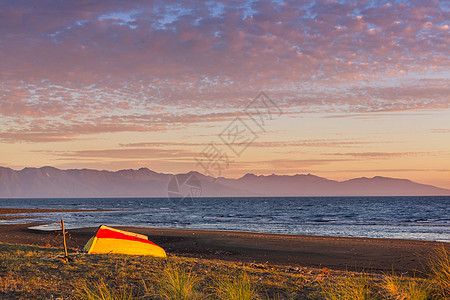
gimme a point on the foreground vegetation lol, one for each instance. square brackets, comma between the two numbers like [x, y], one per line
[41, 273]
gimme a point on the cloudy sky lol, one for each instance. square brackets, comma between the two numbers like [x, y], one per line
[350, 88]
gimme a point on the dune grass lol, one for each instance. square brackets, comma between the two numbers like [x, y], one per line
[42, 273]
[406, 288]
[236, 287]
[439, 263]
[348, 287]
[179, 284]
[101, 291]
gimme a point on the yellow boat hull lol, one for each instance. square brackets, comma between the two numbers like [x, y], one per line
[111, 240]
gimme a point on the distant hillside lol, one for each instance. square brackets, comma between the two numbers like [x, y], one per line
[310, 185]
[49, 182]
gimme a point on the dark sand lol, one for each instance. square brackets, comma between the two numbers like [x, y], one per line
[339, 253]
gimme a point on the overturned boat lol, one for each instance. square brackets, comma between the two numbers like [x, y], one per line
[111, 240]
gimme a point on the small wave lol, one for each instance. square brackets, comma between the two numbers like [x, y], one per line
[326, 220]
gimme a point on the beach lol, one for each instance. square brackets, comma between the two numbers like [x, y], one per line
[276, 266]
[338, 253]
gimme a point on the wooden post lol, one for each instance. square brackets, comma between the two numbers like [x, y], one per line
[66, 257]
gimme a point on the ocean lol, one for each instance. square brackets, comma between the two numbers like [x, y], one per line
[422, 218]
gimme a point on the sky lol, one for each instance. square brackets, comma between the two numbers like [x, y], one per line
[339, 89]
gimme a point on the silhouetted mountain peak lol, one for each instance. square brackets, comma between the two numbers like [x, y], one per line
[249, 175]
[52, 182]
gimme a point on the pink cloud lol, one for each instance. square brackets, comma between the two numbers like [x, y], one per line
[117, 64]
[290, 166]
[440, 130]
[136, 153]
[61, 114]
[76, 43]
[384, 155]
[273, 144]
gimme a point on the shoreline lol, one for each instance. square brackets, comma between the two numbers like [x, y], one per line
[374, 255]
[296, 251]
[8, 213]
[44, 228]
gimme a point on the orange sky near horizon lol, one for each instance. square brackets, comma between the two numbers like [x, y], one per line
[351, 88]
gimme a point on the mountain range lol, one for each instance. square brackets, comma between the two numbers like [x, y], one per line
[50, 182]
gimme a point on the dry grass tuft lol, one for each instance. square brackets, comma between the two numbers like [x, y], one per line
[179, 284]
[406, 289]
[439, 263]
[101, 291]
[349, 287]
[237, 287]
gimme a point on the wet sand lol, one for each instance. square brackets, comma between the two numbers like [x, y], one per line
[338, 253]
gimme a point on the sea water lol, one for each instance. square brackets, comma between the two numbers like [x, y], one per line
[423, 218]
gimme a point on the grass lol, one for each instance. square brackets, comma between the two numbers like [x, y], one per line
[236, 287]
[101, 291]
[349, 287]
[406, 288]
[42, 273]
[179, 284]
[439, 263]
